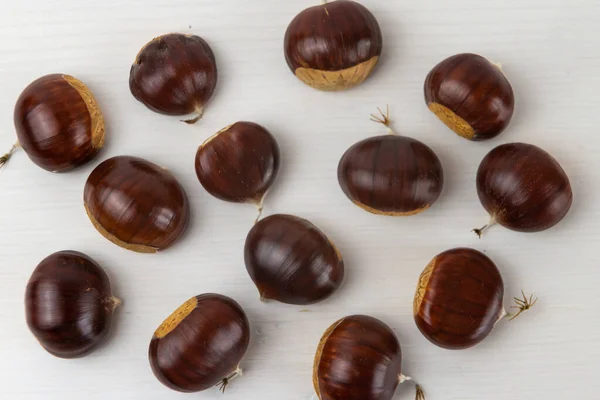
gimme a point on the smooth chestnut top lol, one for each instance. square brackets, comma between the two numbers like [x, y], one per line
[341, 36]
[391, 175]
[471, 96]
[459, 298]
[174, 74]
[59, 123]
[523, 187]
[292, 261]
[68, 304]
[200, 344]
[136, 204]
[239, 163]
[358, 358]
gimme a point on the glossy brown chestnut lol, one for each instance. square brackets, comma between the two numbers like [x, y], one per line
[174, 74]
[459, 299]
[69, 304]
[471, 96]
[201, 344]
[358, 358]
[391, 175]
[58, 122]
[290, 260]
[523, 188]
[136, 204]
[333, 46]
[238, 163]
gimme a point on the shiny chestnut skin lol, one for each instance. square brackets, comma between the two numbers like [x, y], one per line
[391, 175]
[471, 96]
[69, 304]
[201, 344]
[136, 204]
[238, 163]
[523, 187]
[459, 298]
[290, 260]
[358, 358]
[174, 74]
[59, 123]
[333, 46]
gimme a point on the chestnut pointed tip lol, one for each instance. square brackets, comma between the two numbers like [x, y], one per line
[198, 117]
[115, 302]
[478, 232]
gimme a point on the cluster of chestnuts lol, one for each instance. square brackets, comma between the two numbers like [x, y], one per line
[141, 206]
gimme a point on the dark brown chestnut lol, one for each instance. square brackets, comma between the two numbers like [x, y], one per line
[69, 304]
[391, 174]
[136, 204]
[174, 74]
[523, 188]
[290, 260]
[359, 358]
[201, 344]
[333, 46]
[239, 163]
[471, 96]
[459, 299]
[58, 122]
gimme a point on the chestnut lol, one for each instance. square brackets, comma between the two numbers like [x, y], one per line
[359, 358]
[390, 174]
[136, 204]
[201, 344]
[58, 123]
[471, 96]
[174, 74]
[523, 188]
[68, 304]
[290, 260]
[333, 46]
[459, 299]
[239, 163]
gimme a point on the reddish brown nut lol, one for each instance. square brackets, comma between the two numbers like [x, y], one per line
[136, 204]
[471, 96]
[58, 122]
[333, 46]
[174, 74]
[201, 344]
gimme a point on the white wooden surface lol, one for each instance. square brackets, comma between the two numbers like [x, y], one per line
[550, 52]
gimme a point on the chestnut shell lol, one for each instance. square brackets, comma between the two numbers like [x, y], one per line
[523, 187]
[459, 298]
[333, 46]
[136, 204]
[391, 175]
[358, 358]
[59, 123]
[174, 74]
[290, 260]
[471, 96]
[200, 344]
[239, 163]
[68, 304]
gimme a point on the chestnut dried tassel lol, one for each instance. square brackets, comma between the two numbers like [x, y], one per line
[290, 260]
[136, 204]
[175, 74]
[359, 358]
[459, 299]
[201, 344]
[523, 188]
[69, 304]
[239, 163]
[333, 46]
[391, 174]
[471, 96]
[58, 123]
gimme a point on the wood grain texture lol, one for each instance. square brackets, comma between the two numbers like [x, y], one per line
[549, 52]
